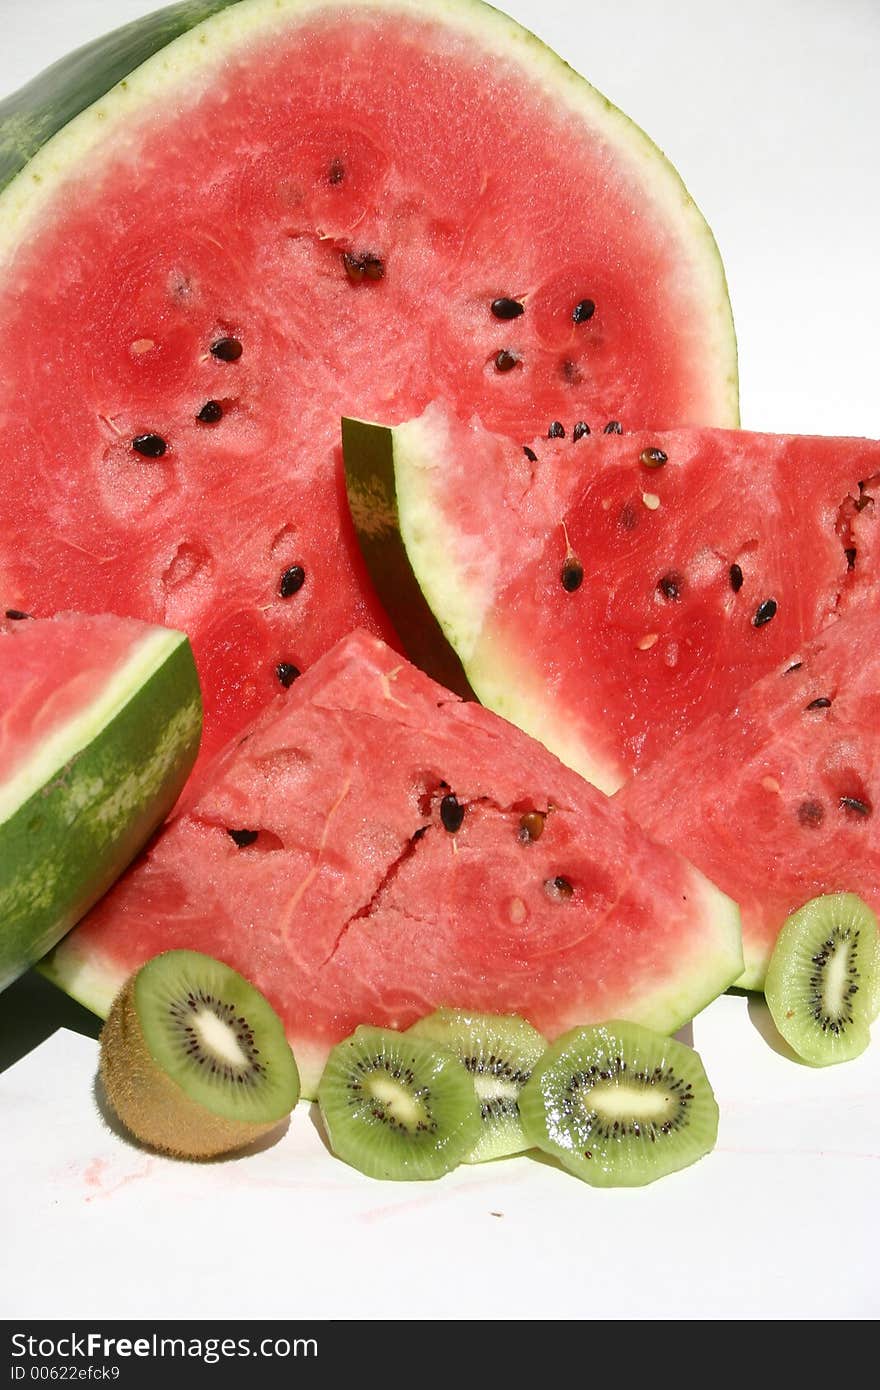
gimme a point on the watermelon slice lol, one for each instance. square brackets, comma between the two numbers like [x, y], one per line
[99, 726]
[263, 227]
[608, 593]
[780, 801]
[373, 848]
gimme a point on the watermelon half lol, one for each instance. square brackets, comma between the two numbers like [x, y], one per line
[780, 801]
[373, 848]
[291, 211]
[607, 593]
[100, 720]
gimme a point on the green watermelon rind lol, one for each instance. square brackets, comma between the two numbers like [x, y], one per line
[62, 117]
[79, 811]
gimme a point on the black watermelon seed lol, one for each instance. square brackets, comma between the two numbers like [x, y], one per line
[583, 311]
[556, 430]
[507, 308]
[292, 581]
[227, 349]
[15, 615]
[353, 266]
[243, 838]
[572, 372]
[572, 575]
[287, 673]
[337, 171]
[531, 827]
[151, 446]
[811, 813]
[629, 517]
[559, 887]
[821, 703]
[210, 413]
[580, 429]
[795, 666]
[670, 586]
[856, 805]
[530, 454]
[451, 813]
[765, 612]
[652, 457]
[505, 360]
[374, 267]
[736, 578]
[613, 427]
[850, 554]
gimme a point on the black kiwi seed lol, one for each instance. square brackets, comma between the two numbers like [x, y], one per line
[210, 413]
[507, 308]
[151, 446]
[451, 813]
[227, 349]
[580, 430]
[556, 430]
[572, 574]
[243, 838]
[292, 581]
[613, 427]
[583, 311]
[505, 360]
[736, 578]
[764, 612]
[287, 673]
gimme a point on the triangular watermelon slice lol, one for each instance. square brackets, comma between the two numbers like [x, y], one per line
[780, 801]
[291, 211]
[607, 593]
[373, 848]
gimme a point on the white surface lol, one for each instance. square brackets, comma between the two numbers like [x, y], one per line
[769, 110]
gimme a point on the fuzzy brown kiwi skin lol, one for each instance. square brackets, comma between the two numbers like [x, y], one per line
[153, 1107]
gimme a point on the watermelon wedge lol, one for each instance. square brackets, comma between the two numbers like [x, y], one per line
[780, 801]
[373, 848]
[209, 254]
[99, 727]
[607, 593]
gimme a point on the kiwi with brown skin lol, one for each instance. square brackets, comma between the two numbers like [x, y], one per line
[194, 1060]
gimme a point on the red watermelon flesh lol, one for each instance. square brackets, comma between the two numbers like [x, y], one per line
[701, 558]
[218, 196]
[350, 901]
[780, 801]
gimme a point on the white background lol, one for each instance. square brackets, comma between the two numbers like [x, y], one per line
[769, 109]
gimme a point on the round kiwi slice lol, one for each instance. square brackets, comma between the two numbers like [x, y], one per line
[498, 1052]
[821, 985]
[395, 1106]
[619, 1105]
[194, 1060]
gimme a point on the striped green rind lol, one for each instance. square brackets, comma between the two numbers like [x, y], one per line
[32, 115]
[372, 498]
[69, 840]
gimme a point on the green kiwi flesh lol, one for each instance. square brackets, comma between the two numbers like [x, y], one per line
[395, 1106]
[620, 1105]
[194, 1059]
[498, 1052]
[821, 985]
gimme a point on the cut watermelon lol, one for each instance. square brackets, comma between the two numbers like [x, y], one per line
[99, 727]
[608, 593]
[780, 801]
[374, 848]
[268, 182]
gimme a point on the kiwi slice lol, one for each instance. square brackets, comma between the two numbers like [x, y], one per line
[821, 985]
[498, 1052]
[194, 1060]
[395, 1106]
[619, 1105]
